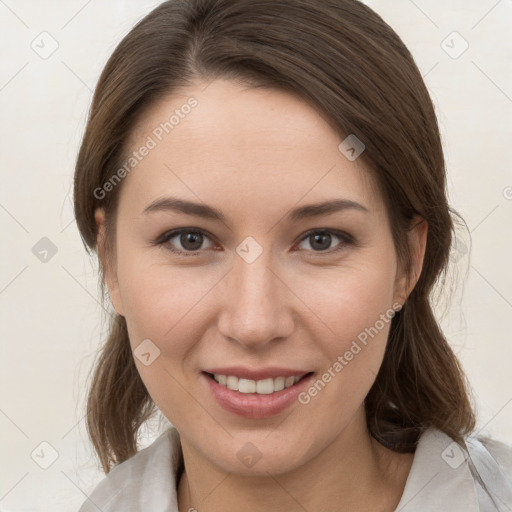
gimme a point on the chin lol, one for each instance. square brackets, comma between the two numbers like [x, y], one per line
[254, 456]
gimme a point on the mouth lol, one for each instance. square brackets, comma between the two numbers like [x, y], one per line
[256, 398]
[266, 386]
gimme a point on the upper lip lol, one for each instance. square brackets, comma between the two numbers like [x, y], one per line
[257, 374]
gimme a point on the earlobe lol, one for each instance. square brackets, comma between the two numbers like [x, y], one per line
[107, 266]
[417, 236]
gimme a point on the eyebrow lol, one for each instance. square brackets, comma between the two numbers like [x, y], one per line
[208, 212]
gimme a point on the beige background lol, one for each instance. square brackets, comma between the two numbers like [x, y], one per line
[51, 321]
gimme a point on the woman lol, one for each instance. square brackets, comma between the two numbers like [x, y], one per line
[264, 184]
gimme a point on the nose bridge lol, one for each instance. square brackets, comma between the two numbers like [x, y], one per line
[255, 308]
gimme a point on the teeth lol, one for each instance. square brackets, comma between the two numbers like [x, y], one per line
[265, 386]
[246, 386]
[232, 383]
[261, 387]
[279, 383]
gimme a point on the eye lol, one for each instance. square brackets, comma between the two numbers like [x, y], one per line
[189, 241]
[320, 240]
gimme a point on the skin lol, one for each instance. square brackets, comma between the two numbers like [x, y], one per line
[255, 155]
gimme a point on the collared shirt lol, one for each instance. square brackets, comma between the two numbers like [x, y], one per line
[442, 477]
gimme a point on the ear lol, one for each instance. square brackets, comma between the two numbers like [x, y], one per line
[417, 239]
[108, 266]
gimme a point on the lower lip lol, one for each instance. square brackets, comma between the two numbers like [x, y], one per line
[252, 405]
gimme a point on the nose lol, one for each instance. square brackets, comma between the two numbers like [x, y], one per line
[256, 305]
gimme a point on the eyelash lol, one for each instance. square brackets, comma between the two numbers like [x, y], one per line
[345, 238]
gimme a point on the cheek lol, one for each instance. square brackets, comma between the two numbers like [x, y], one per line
[355, 307]
[159, 300]
[350, 299]
[163, 304]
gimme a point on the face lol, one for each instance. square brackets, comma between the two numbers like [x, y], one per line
[249, 284]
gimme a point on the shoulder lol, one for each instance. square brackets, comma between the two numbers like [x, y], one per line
[499, 451]
[146, 478]
[490, 461]
[447, 476]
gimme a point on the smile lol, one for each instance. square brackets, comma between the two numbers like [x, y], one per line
[260, 387]
[266, 394]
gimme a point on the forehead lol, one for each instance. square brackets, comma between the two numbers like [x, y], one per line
[227, 142]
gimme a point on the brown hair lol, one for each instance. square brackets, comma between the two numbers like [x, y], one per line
[342, 57]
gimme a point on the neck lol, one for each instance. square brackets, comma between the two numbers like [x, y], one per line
[354, 472]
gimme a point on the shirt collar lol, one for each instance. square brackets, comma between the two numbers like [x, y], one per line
[439, 479]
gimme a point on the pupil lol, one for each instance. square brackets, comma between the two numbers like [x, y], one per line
[188, 239]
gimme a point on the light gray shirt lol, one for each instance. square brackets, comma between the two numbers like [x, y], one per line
[442, 477]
